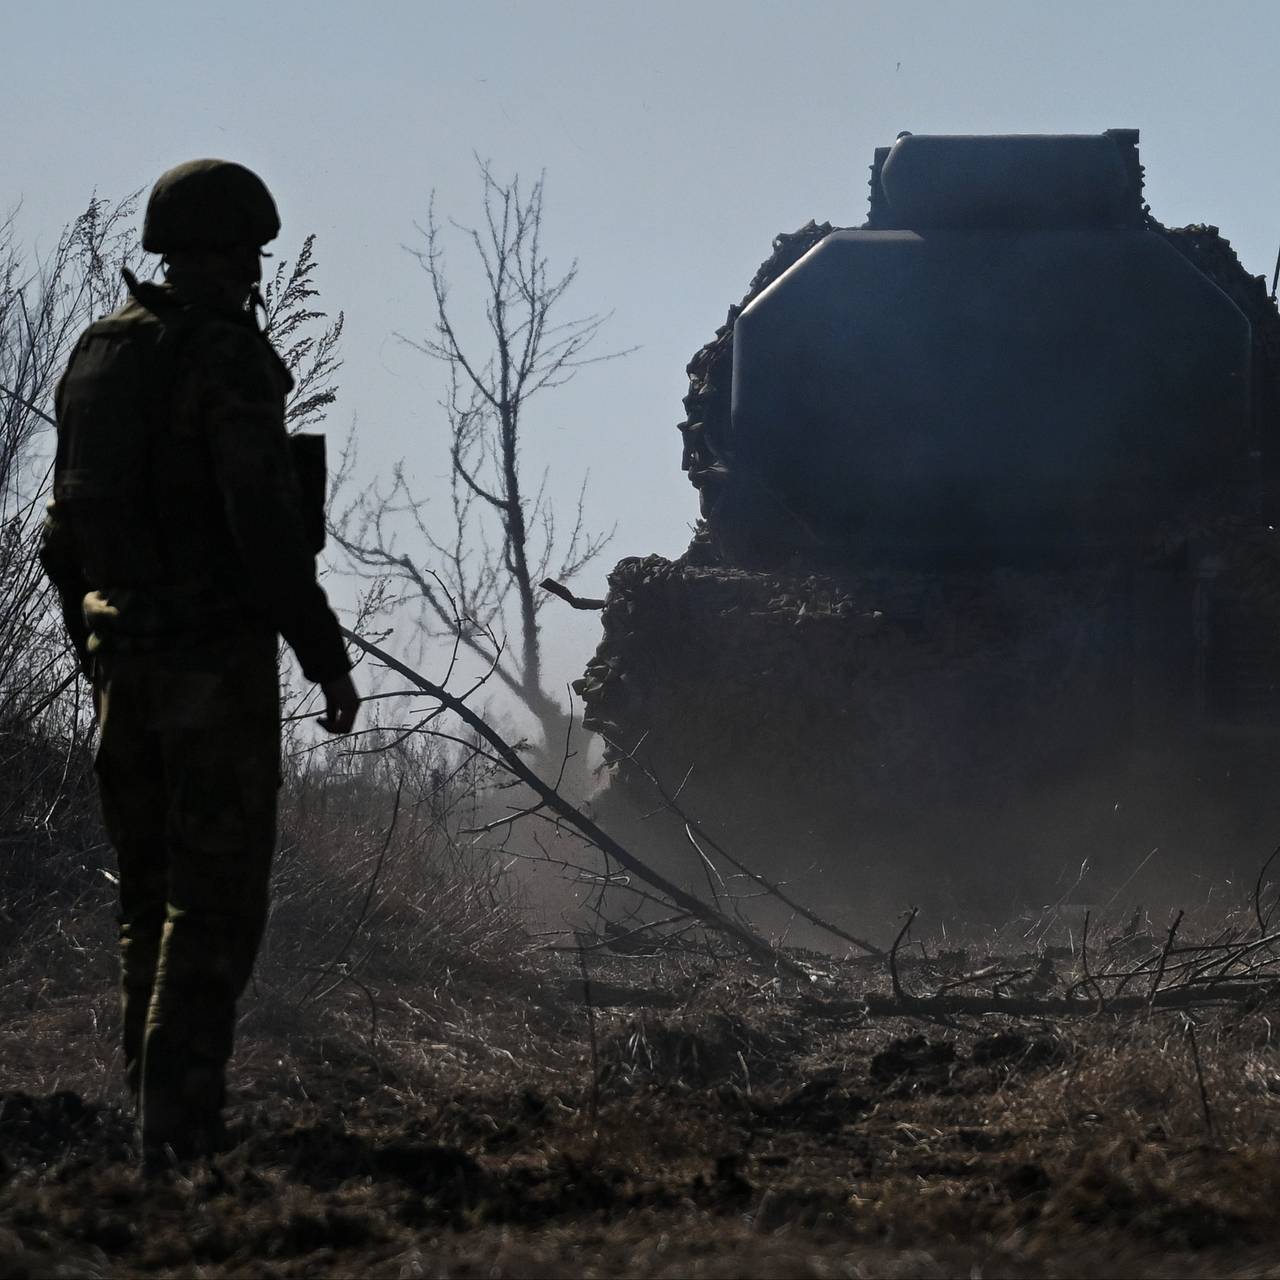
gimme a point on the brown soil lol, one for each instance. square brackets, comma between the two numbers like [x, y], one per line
[720, 1128]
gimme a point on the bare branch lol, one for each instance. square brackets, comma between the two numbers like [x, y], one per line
[497, 536]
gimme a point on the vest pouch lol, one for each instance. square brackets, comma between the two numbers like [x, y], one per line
[312, 471]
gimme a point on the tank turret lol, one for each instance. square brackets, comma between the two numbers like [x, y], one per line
[1009, 363]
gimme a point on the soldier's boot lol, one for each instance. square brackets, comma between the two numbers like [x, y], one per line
[183, 1084]
[167, 1132]
[182, 1119]
[205, 1092]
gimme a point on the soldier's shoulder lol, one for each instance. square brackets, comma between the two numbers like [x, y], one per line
[129, 314]
[127, 320]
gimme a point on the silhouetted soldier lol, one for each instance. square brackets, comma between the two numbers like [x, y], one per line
[180, 548]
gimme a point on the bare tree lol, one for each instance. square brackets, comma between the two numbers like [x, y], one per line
[483, 562]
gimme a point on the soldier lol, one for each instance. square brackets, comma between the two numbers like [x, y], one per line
[179, 545]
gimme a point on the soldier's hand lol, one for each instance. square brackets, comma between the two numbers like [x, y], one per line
[341, 702]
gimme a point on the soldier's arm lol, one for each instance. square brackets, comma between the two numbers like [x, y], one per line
[242, 404]
[62, 565]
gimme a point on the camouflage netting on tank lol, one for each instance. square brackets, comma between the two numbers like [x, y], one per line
[706, 428]
[1213, 255]
[880, 689]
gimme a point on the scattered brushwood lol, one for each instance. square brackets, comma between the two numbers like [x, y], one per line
[549, 800]
[1116, 973]
[480, 1135]
[1124, 973]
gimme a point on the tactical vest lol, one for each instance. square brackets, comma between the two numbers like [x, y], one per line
[134, 484]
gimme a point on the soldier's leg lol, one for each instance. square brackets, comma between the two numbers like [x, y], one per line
[130, 775]
[222, 761]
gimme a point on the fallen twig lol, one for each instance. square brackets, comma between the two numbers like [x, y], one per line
[1164, 954]
[623, 942]
[1264, 921]
[881, 1006]
[898, 992]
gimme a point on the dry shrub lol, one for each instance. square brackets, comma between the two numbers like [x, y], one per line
[51, 851]
[373, 889]
[373, 877]
[1180, 1200]
[55, 865]
[1141, 1083]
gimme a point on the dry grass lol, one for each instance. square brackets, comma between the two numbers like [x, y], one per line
[733, 1134]
[417, 1093]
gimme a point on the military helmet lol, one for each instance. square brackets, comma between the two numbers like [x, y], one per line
[209, 204]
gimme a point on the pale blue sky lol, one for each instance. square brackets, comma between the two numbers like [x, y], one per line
[677, 139]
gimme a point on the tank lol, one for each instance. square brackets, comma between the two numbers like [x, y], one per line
[983, 605]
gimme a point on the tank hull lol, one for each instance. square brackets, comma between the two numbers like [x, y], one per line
[975, 742]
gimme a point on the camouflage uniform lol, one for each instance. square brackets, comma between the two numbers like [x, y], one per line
[177, 543]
